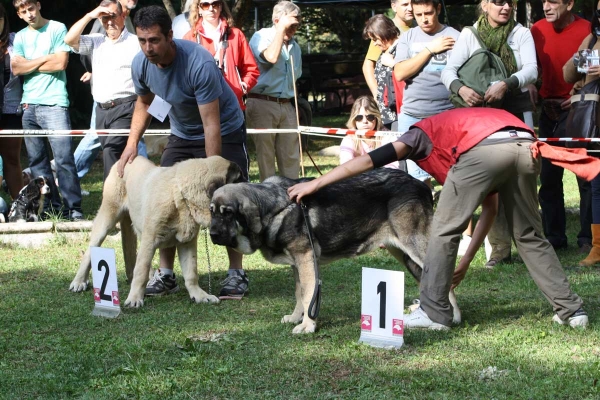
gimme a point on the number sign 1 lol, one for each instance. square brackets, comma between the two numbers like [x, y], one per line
[382, 321]
[104, 278]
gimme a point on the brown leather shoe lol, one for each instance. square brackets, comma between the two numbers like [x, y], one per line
[493, 261]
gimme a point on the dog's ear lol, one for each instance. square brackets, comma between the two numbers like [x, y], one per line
[234, 174]
[214, 185]
[251, 213]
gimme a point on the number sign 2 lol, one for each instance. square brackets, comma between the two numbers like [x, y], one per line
[104, 278]
[382, 308]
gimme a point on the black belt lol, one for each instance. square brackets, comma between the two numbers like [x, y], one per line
[116, 102]
[268, 98]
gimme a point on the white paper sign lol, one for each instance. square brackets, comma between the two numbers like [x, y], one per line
[159, 109]
[382, 311]
[104, 277]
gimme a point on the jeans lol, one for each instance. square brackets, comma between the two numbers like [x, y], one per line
[53, 117]
[404, 123]
[87, 150]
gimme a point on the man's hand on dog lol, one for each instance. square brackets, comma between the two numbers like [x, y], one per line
[129, 154]
[299, 190]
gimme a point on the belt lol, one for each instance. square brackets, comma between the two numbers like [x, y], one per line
[116, 102]
[268, 98]
[510, 134]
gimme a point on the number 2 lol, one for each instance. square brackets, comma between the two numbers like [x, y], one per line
[104, 296]
[381, 290]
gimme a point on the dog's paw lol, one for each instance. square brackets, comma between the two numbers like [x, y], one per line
[134, 302]
[78, 286]
[207, 298]
[305, 327]
[457, 317]
[291, 319]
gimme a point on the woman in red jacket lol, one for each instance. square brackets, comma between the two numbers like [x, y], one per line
[213, 29]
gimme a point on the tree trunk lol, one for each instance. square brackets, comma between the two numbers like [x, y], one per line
[240, 11]
[170, 9]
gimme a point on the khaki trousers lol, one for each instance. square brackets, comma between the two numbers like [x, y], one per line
[509, 169]
[270, 146]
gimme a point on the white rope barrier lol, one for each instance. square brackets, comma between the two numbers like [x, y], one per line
[305, 130]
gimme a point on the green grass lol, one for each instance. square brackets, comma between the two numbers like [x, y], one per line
[51, 347]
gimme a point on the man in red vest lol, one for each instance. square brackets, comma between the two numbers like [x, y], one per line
[474, 153]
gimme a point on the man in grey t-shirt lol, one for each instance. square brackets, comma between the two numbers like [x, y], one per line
[421, 56]
[204, 114]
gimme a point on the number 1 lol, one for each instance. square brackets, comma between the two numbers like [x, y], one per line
[381, 289]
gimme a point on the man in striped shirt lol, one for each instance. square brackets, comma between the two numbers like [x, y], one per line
[112, 89]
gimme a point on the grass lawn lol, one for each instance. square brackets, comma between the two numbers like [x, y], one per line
[506, 348]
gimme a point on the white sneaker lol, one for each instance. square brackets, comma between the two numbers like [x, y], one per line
[578, 320]
[418, 319]
[488, 249]
[464, 245]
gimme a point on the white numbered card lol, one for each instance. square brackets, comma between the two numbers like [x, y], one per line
[107, 302]
[382, 310]
[159, 109]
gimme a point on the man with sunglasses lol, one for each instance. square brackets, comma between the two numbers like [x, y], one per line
[112, 54]
[269, 103]
[556, 38]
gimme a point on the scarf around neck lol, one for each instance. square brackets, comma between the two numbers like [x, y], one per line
[496, 41]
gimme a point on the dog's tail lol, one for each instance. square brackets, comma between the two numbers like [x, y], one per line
[129, 242]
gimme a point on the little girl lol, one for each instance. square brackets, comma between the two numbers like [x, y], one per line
[364, 115]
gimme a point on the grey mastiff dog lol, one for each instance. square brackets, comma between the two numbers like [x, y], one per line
[348, 218]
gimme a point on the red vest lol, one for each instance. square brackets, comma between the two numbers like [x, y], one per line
[455, 132]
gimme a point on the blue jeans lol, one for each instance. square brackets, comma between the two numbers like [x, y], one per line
[53, 117]
[87, 150]
[404, 123]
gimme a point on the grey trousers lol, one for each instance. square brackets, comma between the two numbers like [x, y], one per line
[510, 170]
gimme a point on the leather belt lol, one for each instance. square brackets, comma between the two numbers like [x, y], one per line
[116, 102]
[268, 98]
[506, 134]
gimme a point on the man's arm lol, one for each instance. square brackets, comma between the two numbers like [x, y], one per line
[408, 68]
[55, 62]
[368, 67]
[73, 35]
[272, 52]
[22, 66]
[211, 120]
[139, 123]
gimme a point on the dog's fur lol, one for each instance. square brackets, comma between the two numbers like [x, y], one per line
[348, 218]
[164, 207]
[30, 202]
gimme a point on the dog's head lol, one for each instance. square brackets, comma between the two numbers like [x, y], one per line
[235, 218]
[197, 180]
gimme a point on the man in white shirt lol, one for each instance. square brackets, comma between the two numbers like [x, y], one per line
[112, 89]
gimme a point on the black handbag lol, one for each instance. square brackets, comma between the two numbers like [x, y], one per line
[582, 121]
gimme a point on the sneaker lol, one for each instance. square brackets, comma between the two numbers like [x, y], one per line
[464, 245]
[161, 284]
[579, 319]
[234, 286]
[494, 261]
[418, 319]
[75, 216]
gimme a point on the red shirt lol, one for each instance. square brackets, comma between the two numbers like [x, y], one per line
[553, 50]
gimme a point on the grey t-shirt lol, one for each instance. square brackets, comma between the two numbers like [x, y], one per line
[192, 79]
[425, 94]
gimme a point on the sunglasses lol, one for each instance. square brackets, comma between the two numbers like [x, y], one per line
[206, 5]
[597, 13]
[502, 3]
[369, 117]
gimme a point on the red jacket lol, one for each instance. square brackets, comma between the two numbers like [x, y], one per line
[455, 132]
[238, 60]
